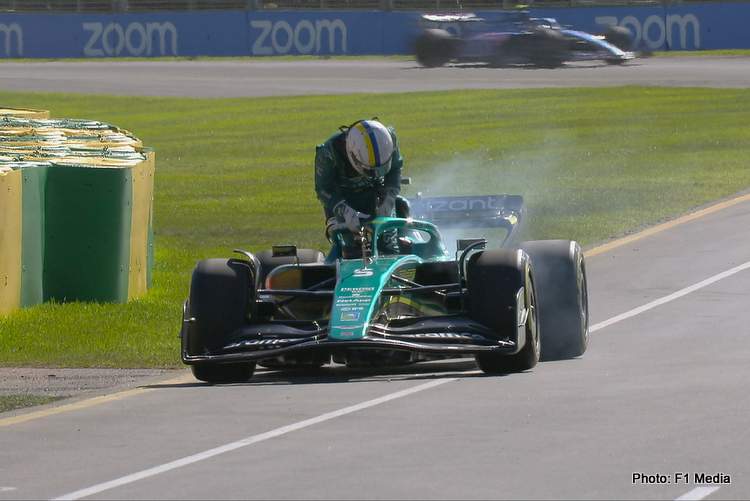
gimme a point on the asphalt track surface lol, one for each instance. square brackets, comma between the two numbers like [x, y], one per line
[238, 78]
[660, 392]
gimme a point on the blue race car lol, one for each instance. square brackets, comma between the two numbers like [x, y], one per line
[515, 38]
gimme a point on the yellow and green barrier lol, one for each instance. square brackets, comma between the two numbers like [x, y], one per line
[10, 240]
[76, 216]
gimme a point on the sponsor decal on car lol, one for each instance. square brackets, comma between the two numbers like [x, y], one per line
[443, 335]
[261, 343]
[363, 272]
[350, 316]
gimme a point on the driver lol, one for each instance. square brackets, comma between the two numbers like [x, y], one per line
[358, 174]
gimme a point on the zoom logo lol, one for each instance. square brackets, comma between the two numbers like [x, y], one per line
[133, 39]
[659, 31]
[305, 37]
[12, 35]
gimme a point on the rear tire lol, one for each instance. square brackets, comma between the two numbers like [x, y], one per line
[560, 273]
[435, 47]
[548, 48]
[508, 52]
[494, 278]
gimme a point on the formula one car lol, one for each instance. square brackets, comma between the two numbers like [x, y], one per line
[514, 38]
[291, 308]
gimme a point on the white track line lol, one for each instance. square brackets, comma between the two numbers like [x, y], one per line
[156, 470]
[671, 297]
[698, 493]
[704, 491]
[254, 439]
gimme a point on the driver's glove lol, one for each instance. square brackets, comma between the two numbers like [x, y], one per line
[387, 204]
[348, 216]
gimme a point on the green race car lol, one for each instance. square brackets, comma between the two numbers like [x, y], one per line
[291, 308]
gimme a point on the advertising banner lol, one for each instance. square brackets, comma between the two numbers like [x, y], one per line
[333, 32]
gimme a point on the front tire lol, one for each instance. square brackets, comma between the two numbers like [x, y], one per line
[563, 297]
[501, 284]
[620, 37]
[309, 362]
[223, 373]
[220, 293]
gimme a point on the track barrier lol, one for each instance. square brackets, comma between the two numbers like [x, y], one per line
[679, 26]
[76, 211]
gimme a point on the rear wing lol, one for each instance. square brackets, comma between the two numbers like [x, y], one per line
[450, 18]
[497, 18]
[481, 211]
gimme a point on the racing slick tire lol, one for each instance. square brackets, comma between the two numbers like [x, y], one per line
[620, 37]
[547, 48]
[560, 272]
[615, 61]
[435, 47]
[509, 52]
[220, 292]
[309, 363]
[223, 373]
[494, 278]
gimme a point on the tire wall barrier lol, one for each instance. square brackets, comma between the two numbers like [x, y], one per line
[10, 240]
[715, 25]
[76, 216]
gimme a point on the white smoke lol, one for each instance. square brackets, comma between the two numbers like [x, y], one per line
[530, 171]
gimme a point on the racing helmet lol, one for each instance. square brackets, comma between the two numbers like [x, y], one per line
[369, 148]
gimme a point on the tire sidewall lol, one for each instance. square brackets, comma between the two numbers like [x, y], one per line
[562, 296]
[493, 279]
[220, 294]
[435, 47]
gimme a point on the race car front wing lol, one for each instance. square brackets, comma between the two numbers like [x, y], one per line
[447, 335]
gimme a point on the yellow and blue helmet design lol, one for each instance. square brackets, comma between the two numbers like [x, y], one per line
[369, 148]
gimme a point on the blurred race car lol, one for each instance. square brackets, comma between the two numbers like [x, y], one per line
[515, 38]
[291, 308]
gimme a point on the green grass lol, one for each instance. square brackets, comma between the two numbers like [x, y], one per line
[10, 402]
[592, 164]
[715, 52]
